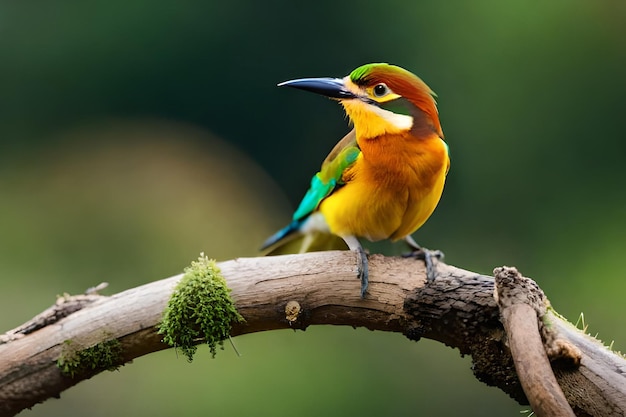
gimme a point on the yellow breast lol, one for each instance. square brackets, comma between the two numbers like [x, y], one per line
[391, 190]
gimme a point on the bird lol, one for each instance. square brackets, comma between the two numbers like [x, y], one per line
[384, 179]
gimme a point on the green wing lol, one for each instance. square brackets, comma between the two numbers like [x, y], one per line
[288, 240]
[343, 155]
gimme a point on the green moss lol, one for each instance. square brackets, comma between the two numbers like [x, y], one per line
[75, 359]
[200, 309]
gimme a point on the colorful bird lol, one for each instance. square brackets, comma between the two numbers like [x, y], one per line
[384, 179]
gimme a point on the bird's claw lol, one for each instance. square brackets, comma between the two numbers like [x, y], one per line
[427, 256]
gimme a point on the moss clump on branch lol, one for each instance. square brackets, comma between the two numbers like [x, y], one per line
[76, 360]
[200, 309]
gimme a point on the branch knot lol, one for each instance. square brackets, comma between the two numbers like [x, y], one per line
[513, 288]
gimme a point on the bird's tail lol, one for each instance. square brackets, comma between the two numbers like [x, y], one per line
[283, 235]
[290, 240]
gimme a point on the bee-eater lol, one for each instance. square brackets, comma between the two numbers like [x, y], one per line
[384, 179]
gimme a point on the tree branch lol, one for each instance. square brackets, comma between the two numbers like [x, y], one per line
[522, 306]
[295, 291]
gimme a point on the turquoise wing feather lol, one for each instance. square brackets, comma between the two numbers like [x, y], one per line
[324, 182]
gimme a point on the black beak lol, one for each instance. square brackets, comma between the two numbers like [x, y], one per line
[329, 87]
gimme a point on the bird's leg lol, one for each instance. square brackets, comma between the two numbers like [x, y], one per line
[426, 255]
[362, 263]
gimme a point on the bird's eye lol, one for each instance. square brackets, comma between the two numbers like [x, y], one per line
[381, 90]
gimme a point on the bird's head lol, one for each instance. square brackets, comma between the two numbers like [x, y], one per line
[380, 99]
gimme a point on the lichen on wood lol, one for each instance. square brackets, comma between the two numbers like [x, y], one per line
[200, 309]
[76, 359]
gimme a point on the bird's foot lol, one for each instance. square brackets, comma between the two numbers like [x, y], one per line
[361, 259]
[362, 269]
[428, 256]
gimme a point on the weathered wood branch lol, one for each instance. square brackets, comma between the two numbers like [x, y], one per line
[522, 307]
[296, 291]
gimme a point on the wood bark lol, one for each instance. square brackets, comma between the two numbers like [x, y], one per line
[522, 306]
[294, 291]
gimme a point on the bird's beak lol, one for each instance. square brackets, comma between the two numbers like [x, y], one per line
[329, 87]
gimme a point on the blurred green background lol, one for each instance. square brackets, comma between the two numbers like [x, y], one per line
[134, 135]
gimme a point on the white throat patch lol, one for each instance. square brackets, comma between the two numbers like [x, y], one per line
[371, 121]
[400, 121]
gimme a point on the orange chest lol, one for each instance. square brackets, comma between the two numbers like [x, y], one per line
[389, 191]
[400, 162]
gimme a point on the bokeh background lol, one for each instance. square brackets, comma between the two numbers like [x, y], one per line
[134, 135]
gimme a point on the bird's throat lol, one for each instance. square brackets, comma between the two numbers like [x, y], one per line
[371, 121]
